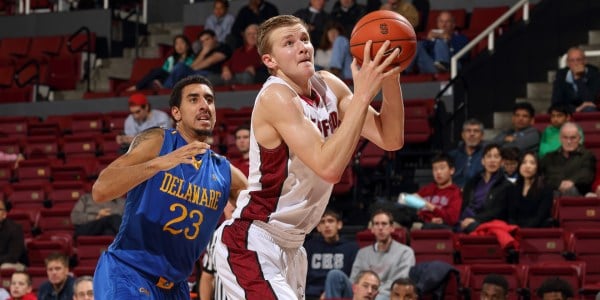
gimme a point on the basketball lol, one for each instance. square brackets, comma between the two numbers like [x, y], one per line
[382, 25]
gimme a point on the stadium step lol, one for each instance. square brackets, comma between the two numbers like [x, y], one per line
[143, 52]
[539, 90]
[165, 28]
[502, 120]
[594, 37]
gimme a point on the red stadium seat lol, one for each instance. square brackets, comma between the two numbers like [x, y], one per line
[41, 147]
[89, 248]
[571, 271]
[87, 123]
[479, 249]
[584, 245]
[578, 213]
[346, 183]
[30, 196]
[45, 47]
[192, 32]
[25, 218]
[141, 67]
[80, 146]
[481, 18]
[66, 193]
[12, 48]
[541, 244]
[34, 171]
[53, 220]
[514, 274]
[433, 245]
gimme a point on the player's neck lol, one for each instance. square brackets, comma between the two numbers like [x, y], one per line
[300, 86]
[189, 135]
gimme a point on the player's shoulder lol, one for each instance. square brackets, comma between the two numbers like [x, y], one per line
[276, 93]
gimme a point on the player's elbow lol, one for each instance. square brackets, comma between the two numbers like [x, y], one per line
[99, 194]
[331, 175]
[393, 144]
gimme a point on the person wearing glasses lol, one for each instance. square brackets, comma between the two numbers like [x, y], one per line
[141, 117]
[83, 288]
[577, 85]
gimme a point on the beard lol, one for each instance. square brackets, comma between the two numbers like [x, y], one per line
[203, 132]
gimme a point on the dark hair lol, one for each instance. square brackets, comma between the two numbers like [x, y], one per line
[489, 148]
[241, 127]
[362, 274]
[403, 281]
[471, 122]
[510, 153]
[560, 108]
[441, 157]
[175, 99]
[555, 284]
[224, 2]
[333, 213]
[537, 184]
[207, 31]
[498, 280]
[385, 212]
[525, 106]
[57, 257]
[189, 52]
[325, 43]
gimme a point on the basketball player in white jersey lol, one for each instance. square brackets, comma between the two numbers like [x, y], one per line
[304, 129]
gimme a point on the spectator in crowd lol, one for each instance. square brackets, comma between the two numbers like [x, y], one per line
[494, 287]
[467, 156]
[578, 85]
[366, 286]
[341, 59]
[141, 117]
[595, 192]
[550, 140]
[245, 63]
[403, 289]
[94, 218]
[83, 288]
[182, 53]
[510, 163]
[316, 18]
[555, 288]
[405, 9]
[434, 53]
[486, 197]
[210, 284]
[60, 283]
[327, 252]
[18, 157]
[388, 258]
[325, 49]
[570, 170]
[443, 198]
[522, 134]
[207, 63]
[255, 12]
[347, 13]
[242, 143]
[12, 241]
[533, 204]
[21, 286]
[422, 7]
[220, 21]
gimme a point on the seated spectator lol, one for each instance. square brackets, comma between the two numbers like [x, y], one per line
[403, 289]
[443, 198]
[341, 59]
[595, 192]
[570, 170]
[20, 286]
[555, 288]
[220, 21]
[182, 53]
[255, 12]
[494, 287]
[316, 18]
[141, 117]
[83, 288]
[207, 63]
[486, 197]
[434, 53]
[533, 205]
[366, 286]
[12, 241]
[550, 141]
[578, 85]
[510, 163]
[347, 13]
[93, 218]
[242, 143]
[245, 62]
[327, 252]
[388, 258]
[405, 9]
[325, 49]
[522, 134]
[60, 283]
[12, 157]
[467, 155]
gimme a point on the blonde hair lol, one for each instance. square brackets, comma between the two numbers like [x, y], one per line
[267, 27]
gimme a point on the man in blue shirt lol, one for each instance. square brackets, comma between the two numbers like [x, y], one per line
[467, 155]
[326, 252]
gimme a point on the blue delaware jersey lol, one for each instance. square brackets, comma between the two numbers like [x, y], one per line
[170, 218]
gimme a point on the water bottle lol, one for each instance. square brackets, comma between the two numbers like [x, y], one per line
[411, 200]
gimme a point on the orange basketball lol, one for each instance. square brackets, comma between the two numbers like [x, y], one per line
[382, 25]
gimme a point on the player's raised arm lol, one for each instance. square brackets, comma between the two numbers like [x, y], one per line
[140, 163]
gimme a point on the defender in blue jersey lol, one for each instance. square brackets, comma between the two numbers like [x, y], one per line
[176, 191]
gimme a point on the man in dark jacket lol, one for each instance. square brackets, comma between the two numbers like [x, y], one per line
[570, 170]
[12, 241]
[315, 17]
[347, 13]
[577, 85]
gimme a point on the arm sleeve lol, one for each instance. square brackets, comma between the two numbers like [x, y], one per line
[129, 126]
[529, 139]
[16, 245]
[544, 145]
[78, 215]
[358, 265]
[544, 210]
[498, 209]
[451, 212]
[585, 177]
[340, 46]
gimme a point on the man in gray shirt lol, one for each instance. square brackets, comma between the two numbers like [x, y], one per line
[141, 117]
[522, 134]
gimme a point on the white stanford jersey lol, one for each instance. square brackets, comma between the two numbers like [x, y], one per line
[282, 190]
